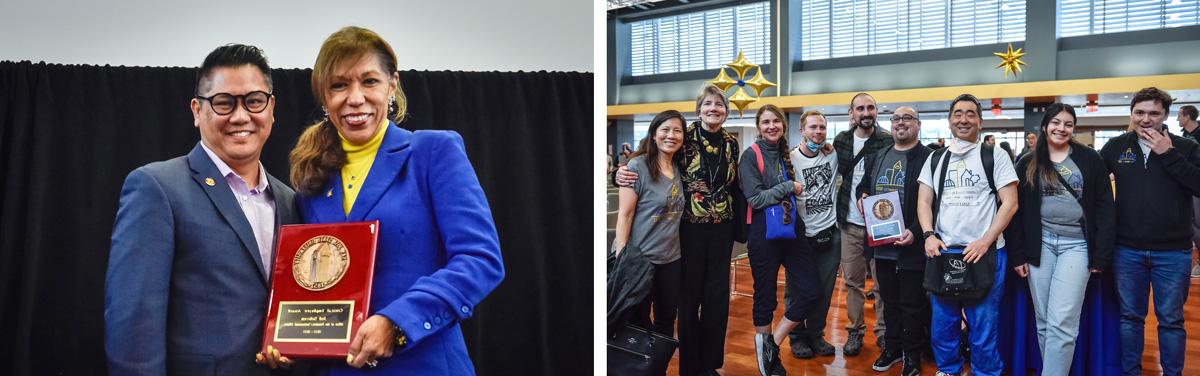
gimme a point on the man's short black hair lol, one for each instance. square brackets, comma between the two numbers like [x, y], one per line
[967, 98]
[1188, 111]
[232, 55]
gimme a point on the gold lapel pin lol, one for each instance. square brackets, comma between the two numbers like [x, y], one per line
[210, 181]
[329, 194]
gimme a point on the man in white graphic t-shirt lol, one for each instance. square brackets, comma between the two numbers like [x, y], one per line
[968, 222]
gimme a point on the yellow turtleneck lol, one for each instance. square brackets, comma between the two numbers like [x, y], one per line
[358, 163]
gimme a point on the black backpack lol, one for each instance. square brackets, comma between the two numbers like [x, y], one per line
[948, 276]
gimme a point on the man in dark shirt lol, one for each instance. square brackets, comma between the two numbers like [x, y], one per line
[1157, 174]
[863, 139]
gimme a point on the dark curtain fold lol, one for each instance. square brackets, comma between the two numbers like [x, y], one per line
[70, 134]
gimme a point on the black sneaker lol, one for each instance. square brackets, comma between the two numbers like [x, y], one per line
[766, 353]
[854, 344]
[886, 360]
[776, 362]
[912, 365]
[801, 350]
[822, 348]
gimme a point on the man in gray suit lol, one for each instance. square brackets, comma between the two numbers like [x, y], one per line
[193, 242]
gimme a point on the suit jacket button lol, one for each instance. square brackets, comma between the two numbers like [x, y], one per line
[464, 309]
[427, 326]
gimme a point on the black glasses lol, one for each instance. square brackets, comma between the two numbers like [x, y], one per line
[904, 118]
[224, 103]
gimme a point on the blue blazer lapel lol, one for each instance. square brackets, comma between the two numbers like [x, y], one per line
[222, 197]
[327, 206]
[390, 159]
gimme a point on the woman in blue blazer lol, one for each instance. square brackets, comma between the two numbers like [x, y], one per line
[438, 254]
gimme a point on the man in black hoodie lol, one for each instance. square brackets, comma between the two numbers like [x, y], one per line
[1156, 174]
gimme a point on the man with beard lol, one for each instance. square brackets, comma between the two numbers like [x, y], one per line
[853, 146]
[901, 265]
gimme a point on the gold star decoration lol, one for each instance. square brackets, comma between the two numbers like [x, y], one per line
[1010, 61]
[741, 99]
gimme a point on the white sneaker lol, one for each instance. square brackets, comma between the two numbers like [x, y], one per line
[1196, 271]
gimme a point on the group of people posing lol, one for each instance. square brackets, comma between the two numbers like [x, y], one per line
[1051, 218]
[193, 244]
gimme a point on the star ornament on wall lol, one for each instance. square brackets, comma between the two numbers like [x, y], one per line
[1010, 61]
[740, 66]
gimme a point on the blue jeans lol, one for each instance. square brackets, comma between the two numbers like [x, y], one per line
[1135, 270]
[1057, 286]
[946, 327]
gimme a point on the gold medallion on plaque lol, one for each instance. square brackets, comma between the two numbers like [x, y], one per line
[883, 209]
[320, 263]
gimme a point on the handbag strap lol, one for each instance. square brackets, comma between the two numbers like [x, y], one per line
[1078, 200]
[941, 182]
[758, 156]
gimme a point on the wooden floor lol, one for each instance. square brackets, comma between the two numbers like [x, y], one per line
[739, 343]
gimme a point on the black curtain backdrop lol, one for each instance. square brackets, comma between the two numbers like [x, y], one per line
[69, 134]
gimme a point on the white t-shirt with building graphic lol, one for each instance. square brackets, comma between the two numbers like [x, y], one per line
[967, 207]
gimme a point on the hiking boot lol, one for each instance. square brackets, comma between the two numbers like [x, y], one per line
[886, 360]
[854, 344]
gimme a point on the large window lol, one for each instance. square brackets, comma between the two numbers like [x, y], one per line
[701, 40]
[1086, 17]
[841, 28]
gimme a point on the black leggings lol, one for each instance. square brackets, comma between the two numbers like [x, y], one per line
[766, 256]
[664, 296]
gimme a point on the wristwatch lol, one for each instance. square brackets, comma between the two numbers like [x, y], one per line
[401, 338]
[928, 234]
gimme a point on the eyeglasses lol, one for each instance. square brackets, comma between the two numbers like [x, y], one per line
[905, 118]
[787, 212]
[224, 103]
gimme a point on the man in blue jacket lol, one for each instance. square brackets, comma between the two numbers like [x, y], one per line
[192, 245]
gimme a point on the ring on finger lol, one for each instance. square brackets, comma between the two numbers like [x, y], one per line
[372, 363]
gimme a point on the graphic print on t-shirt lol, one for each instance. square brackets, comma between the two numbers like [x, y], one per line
[819, 181]
[891, 180]
[1075, 180]
[957, 187]
[673, 209]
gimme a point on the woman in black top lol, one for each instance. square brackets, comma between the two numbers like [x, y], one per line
[1062, 232]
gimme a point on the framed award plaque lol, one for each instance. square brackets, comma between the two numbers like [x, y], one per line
[320, 288]
[884, 218]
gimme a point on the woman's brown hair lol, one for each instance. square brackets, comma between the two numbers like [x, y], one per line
[319, 152]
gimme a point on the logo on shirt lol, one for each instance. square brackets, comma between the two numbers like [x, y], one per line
[1127, 156]
[818, 189]
[891, 180]
[1074, 180]
[673, 208]
[320, 263]
[960, 176]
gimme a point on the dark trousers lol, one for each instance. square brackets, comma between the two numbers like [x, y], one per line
[826, 261]
[664, 297]
[905, 298]
[704, 295]
[766, 256]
